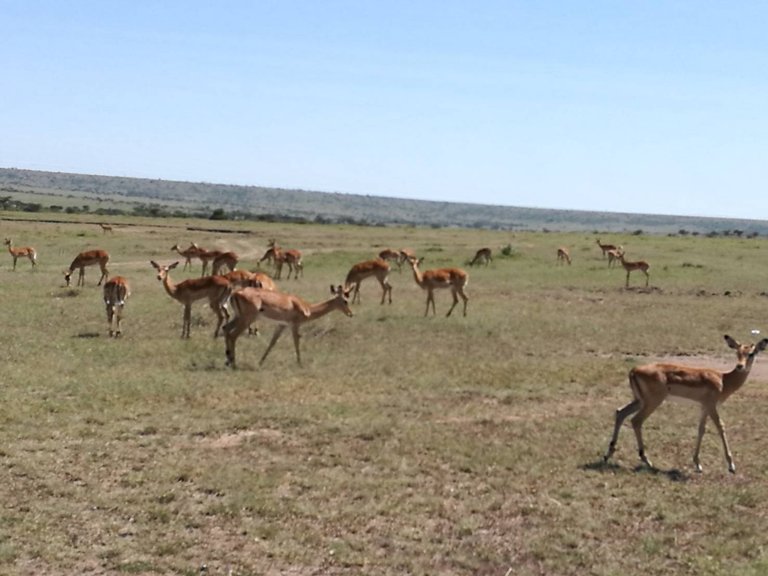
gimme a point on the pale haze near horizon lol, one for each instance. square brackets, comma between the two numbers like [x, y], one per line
[640, 107]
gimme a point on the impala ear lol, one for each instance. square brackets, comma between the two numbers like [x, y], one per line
[172, 266]
[731, 342]
[155, 265]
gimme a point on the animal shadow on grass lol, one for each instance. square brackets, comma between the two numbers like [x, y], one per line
[88, 335]
[673, 474]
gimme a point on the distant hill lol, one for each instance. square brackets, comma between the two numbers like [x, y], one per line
[133, 194]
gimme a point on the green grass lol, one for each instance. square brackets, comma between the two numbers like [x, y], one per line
[404, 445]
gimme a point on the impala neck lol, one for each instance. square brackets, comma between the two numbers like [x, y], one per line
[322, 308]
[418, 276]
[736, 378]
[169, 286]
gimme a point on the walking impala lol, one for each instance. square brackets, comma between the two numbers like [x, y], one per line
[378, 269]
[116, 292]
[563, 255]
[288, 310]
[89, 258]
[454, 278]
[214, 288]
[24, 252]
[652, 383]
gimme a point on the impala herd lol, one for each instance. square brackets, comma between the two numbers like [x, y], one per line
[253, 295]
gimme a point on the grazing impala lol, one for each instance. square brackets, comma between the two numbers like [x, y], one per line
[25, 252]
[563, 255]
[89, 258]
[378, 269]
[430, 280]
[484, 255]
[116, 291]
[614, 256]
[290, 257]
[641, 265]
[214, 288]
[653, 383]
[286, 309]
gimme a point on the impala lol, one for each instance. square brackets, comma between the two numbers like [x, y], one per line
[389, 255]
[484, 255]
[286, 309]
[89, 258]
[613, 256]
[563, 255]
[269, 255]
[378, 269]
[652, 383]
[641, 265]
[605, 247]
[406, 254]
[290, 257]
[25, 252]
[224, 260]
[206, 257]
[116, 291]
[430, 280]
[106, 228]
[214, 288]
[188, 253]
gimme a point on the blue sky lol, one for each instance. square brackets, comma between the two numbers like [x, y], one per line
[649, 107]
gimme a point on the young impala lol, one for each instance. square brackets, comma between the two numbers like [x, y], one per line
[25, 252]
[653, 383]
[212, 288]
[430, 280]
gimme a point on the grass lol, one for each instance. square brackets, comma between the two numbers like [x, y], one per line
[404, 445]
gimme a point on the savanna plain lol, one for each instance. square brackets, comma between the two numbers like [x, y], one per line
[403, 444]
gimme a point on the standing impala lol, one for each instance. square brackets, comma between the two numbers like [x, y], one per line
[378, 269]
[116, 292]
[188, 253]
[214, 288]
[641, 265]
[652, 383]
[88, 258]
[390, 255]
[605, 247]
[563, 255]
[286, 309]
[25, 252]
[430, 280]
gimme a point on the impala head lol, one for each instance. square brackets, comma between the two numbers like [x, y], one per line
[67, 276]
[162, 271]
[342, 297]
[7, 242]
[745, 353]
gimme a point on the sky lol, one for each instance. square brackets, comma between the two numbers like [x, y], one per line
[657, 107]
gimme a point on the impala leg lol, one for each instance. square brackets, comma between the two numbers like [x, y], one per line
[118, 314]
[621, 415]
[356, 295]
[721, 429]
[296, 338]
[647, 279]
[455, 301]
[637, 423]
[699, 437]
[627, 282]
[186, 321]
[466, 300]
[81, 277]
[278, 332]
[232, 331]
